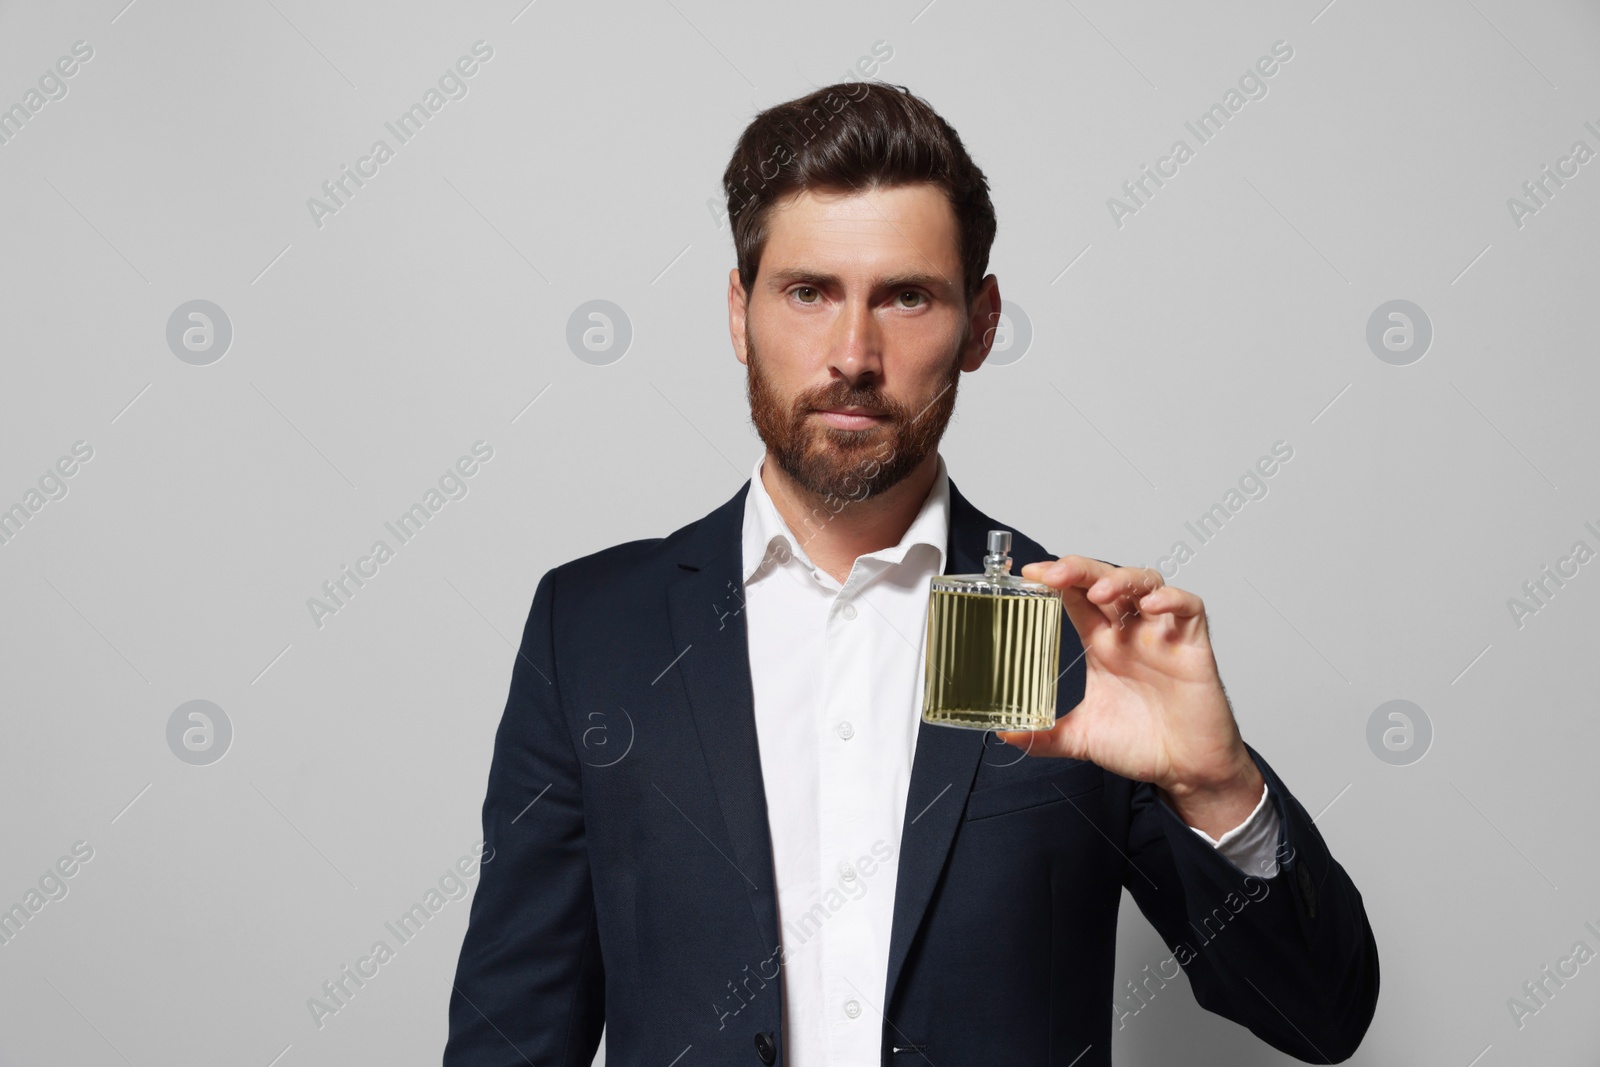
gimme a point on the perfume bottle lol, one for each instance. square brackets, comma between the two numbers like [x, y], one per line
[994, 647]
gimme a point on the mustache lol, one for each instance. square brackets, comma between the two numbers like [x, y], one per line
[873, 402]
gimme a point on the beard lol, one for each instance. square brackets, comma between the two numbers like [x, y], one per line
[827, 461]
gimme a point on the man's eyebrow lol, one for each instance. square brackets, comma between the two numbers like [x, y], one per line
[785, 275]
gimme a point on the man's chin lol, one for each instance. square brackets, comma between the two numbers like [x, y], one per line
[843, 462]
[857, 445]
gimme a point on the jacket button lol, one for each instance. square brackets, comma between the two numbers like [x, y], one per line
[766, 1048]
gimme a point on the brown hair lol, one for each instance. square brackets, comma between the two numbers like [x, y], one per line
[852, 136]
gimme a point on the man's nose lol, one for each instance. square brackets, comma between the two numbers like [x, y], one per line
[856, 348]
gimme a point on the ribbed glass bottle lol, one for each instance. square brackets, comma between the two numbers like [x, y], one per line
[994, 647]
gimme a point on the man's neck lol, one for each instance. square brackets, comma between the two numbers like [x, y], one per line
[834, 532]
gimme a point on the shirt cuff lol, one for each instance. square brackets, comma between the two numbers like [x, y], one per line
[1253, 844]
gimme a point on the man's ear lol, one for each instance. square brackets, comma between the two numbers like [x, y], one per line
[738, 303]
[982, 321]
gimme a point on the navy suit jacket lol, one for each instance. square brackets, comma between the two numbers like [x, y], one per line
[630, 882]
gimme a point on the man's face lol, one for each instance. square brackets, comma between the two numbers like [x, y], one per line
[855, 334]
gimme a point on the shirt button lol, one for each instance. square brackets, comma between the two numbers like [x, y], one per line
[845, 730]
[847, 871]
[852, 1008]
[849, 611]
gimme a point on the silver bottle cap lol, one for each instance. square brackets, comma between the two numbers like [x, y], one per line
[998, 559]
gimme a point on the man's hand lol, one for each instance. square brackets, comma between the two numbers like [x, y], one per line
[1153, 707]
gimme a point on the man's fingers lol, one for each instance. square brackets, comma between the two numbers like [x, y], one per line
[1121, 591]
[1073, 575]
[1060, 742]
[1170, 600]
[1068, 571]
[1132, 582]
[1095, 593]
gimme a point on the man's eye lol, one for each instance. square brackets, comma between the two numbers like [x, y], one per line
[804, 289]
[917, 299]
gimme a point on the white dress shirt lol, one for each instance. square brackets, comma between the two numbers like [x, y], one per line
[838, 679]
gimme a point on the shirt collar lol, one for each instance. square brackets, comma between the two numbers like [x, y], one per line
[766, 534]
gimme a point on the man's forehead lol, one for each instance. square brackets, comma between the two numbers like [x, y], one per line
[915, 220]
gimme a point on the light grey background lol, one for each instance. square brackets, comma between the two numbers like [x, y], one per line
[368, 354]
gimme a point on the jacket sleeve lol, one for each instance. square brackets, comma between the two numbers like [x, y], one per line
[1291, 957]
[529, 985]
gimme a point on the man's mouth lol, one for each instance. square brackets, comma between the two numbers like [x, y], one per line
[847, 419]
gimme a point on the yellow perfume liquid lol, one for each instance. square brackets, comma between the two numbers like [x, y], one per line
[994, 648]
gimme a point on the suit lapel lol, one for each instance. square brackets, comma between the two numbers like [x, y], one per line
[705, 604]
[942, 770]
[706, 610]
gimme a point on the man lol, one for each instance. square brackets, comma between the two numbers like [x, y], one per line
[720, 829]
